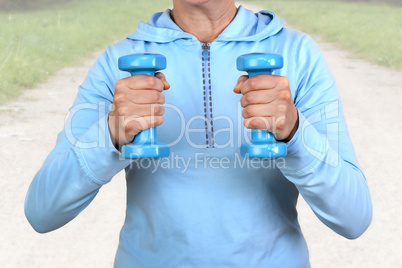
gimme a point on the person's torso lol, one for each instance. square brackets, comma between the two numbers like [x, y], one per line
[205, 205]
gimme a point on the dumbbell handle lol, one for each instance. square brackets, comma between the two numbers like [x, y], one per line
[146, 136]
[150, 72]
[261, 136]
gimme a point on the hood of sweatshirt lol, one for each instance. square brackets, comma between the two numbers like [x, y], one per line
[246, 26]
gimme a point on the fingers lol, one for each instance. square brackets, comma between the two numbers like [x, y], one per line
[140, 110]
[272, 123]
[256, 110]
[134, 124]
[268, 104]
[237, 88]
[129, 127]
[141, 89]
[260, 82]
[141, 82]
[162, 77]
[137, 105]
[145, 97]
[262, 123]
[258, 97]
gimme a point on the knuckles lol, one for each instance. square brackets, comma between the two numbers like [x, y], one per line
[252, 111]
[158, 121]
[129, 127]
[282, 82]
[280, 125]
[133, 127]
[120, 85]
[150, 82]
[257, 81]
[119, 99]
[123, 111]
[138, 82]
[248, 112]
[285, 95]
[154, 96]
[159, 109]
[248, 99]
[282, 108]
[254, 82]
[257, 123]
[162, 98]
[250, 124]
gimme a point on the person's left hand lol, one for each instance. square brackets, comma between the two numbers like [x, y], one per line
[268, 105]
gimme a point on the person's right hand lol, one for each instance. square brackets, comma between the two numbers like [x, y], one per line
[137, 105]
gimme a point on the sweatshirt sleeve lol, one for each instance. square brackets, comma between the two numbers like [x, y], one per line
[84, 157]
[321, 161]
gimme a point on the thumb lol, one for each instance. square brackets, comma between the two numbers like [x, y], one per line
[237, 88]
[162, 77]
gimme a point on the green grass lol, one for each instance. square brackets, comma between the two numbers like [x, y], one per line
[35, 44]
[372, 31]
[8, 5]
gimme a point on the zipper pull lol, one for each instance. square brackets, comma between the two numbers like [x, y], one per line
[205, 46]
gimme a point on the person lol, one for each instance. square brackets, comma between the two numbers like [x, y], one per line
[204, 205]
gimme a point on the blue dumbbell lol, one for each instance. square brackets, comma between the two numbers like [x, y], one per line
[145, 143]
[263, 143]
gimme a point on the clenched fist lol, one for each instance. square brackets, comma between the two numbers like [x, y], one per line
[268, 105]
[137, 105]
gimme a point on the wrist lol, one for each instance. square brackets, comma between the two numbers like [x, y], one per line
[112, 132]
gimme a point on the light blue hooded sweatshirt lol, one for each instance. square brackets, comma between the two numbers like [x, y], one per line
[205, 206]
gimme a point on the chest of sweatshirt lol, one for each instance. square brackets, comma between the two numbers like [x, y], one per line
[201, 109]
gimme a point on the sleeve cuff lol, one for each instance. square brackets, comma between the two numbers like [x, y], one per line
[97, 154]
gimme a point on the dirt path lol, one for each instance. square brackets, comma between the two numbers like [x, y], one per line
[371, 101]
[28, 130]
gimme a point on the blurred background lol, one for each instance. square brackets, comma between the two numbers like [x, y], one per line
[10, 5]
[47, 47]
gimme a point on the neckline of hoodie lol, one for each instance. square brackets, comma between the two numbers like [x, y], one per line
[167, 31]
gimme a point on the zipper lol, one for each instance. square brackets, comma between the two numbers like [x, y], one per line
[206, 80]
